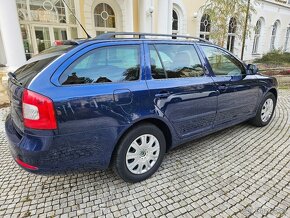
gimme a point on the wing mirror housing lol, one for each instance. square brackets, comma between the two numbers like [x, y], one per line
[252, 69]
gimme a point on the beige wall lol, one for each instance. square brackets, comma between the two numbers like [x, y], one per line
[193, 23]
[269, 10]
[190, 14]
[136, 15]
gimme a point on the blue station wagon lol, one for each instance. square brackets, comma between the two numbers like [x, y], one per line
[125, 99]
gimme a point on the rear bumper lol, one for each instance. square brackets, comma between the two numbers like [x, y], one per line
[61, 153]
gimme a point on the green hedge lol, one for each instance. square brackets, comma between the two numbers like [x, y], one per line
[275, 57]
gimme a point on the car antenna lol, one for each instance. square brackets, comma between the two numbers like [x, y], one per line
[88, 36]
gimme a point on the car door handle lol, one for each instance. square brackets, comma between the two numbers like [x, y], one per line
[223, 87]
[162, 95]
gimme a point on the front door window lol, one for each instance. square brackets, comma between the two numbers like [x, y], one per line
[222, 63]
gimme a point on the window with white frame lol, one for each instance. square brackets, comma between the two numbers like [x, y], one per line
[205, 25]
[257, 36]
[49, 11]
[287, 40]
[104, 19]
[232, 34]
[175, 24]
[43, 22]
[273, 36]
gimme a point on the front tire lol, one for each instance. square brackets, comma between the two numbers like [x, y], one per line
[139, 153]
[265, 111]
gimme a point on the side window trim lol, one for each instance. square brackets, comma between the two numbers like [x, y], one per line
[194, 47]
[160, 59]
[202, 60]
[205, 64]
[224, 51]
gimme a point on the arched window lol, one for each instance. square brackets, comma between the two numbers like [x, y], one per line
[21, 15]
[287, 40]
[232, 34]
[60, 8]
[174, 21]
[175, 24]
[205, 25]
[48, 11]
[274, 33]
[42, 22]
[257, 36]
[104, 19]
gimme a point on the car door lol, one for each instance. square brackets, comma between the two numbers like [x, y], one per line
[180, 87]
[101, 83]
[238, 91]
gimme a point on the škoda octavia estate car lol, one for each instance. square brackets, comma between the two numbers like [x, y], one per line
[126, 101]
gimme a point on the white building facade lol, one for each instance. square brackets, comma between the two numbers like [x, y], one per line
[27, 27]
[271, 29]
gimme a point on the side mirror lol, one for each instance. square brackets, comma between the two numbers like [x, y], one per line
[252, 69]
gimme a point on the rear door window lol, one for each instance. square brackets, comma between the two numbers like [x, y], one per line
[177, 61]
[106, 64]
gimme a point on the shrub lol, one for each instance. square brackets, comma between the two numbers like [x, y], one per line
[275, 57]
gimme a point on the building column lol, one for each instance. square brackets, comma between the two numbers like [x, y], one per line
[165, 16]
[142, 15]
[11, 34]
[129, 23]
[2, 51]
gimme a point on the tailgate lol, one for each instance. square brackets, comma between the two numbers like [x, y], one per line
[15, 95]
[20, 79]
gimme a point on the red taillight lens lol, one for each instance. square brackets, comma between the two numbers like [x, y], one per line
[38, 111]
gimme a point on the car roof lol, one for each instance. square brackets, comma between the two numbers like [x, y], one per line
[122, 36]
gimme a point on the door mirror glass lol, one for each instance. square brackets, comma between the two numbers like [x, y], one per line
[252, 69]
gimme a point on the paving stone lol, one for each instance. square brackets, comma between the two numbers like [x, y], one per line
[242, 171]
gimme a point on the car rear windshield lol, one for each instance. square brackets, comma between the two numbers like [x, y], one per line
[36, 64]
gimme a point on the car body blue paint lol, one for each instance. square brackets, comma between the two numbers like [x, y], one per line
[92, 118]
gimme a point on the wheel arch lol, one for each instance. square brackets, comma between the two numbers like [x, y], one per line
[274, 92]
[161, 124]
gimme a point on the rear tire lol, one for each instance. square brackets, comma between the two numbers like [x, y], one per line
[265, 111]
[139, 153]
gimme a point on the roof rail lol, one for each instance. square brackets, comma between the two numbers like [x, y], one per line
[143, 36]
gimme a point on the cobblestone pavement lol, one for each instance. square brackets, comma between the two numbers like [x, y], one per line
[238, 172]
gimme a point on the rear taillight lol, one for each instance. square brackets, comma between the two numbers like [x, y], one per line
[38, 111]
